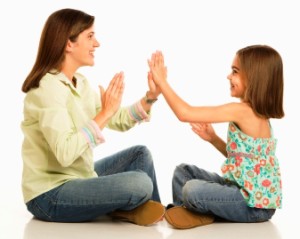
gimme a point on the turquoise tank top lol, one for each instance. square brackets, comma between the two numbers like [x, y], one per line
[252, 164]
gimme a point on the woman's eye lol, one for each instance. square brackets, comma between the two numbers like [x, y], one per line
[90, 36]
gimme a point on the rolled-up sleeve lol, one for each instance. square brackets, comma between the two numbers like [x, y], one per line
[128, 117]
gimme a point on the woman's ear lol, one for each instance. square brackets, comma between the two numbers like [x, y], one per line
[69, 47]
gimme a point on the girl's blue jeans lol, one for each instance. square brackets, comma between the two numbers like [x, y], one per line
[209, 193]
[126, 180]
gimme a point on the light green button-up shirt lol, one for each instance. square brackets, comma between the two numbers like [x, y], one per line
[59, 132]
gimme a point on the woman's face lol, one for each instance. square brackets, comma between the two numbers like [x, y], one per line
[82, 50]
[236, 79]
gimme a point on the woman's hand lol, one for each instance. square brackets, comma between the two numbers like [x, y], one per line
[154, 90]
[111, 99]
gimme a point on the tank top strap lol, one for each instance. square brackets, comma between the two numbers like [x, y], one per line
[271, 129]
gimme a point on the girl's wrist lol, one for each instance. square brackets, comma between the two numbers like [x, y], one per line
[214, 139]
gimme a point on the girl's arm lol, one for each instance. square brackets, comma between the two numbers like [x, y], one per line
[185, 112]
[220, 145]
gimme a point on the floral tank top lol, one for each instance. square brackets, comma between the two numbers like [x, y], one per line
[252, 165]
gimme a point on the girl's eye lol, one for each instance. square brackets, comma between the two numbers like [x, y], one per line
[234, 72]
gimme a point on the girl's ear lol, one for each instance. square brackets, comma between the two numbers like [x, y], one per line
[69, 47]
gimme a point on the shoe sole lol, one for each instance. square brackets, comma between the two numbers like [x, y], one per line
[181, 218]
[146, 214]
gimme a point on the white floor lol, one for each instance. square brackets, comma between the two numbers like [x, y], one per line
[17, 223]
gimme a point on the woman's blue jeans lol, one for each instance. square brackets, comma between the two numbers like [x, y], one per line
[209, 193]
[126, 180]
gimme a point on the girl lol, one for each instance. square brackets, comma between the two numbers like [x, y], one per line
[250, 188]
[63, 122]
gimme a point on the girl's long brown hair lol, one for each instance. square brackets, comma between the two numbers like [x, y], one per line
[263, 68]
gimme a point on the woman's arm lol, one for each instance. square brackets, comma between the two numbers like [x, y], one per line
[151, 95]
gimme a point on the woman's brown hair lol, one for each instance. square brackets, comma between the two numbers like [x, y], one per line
[263, 68]
[61, 26]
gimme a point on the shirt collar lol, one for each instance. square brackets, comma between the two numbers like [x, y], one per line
[64, 79]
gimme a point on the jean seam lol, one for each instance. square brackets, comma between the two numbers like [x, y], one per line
[37, 207]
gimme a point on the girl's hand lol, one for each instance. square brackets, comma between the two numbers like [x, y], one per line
[154, 90]
[157, 68]
[112, 97]
[204, 131]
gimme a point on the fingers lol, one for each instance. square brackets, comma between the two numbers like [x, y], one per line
[101, 89]
[150, 76]
[157, 60]
[195, 128]
[196, 125]
[114, 90]
[111, 98]
[102, 92]
[119, 85]
[199, 126]
[116, 85]
[151, 62]
[157, 68]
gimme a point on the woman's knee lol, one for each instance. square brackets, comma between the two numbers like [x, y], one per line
[140, 185]
[144, 151]
[141, 149]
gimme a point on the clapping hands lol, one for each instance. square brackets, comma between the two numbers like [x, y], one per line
[158, 70]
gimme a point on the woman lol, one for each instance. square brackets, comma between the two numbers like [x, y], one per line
[63, 122]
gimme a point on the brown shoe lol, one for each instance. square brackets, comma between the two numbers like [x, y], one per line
[144, 215]
[181, 218]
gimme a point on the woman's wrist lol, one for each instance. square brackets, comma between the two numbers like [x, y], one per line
[150, 98]
[102, 118]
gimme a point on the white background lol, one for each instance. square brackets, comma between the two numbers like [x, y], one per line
[199, 40]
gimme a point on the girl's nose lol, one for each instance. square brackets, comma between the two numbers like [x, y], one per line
[97, 44]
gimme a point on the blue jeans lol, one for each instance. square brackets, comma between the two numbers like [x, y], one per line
[209, 193]
[126, 180]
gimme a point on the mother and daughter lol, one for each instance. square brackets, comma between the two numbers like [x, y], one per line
[64, 119]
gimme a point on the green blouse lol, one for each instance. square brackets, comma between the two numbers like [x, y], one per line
[60, 134]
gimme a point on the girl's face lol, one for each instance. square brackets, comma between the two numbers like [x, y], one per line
[82, 50]
[237, 79]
